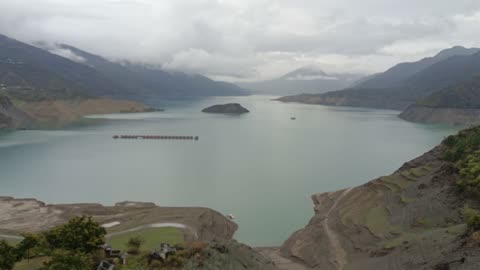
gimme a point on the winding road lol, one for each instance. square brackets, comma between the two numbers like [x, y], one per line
[339, 254]
[158, 225]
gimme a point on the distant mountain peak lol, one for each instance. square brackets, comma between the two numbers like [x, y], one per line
[310, 72]
[456, 51]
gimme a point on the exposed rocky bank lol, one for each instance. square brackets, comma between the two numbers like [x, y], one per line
[411, 219]
[58, 112]
[435, 115]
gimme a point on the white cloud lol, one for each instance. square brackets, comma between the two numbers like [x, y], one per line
[67, 54]
[249, 39]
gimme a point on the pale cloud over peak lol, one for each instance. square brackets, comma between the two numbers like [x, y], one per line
[249, 39]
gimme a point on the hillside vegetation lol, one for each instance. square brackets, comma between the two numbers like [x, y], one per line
[465, 95]
[464, 151]
[406, 83]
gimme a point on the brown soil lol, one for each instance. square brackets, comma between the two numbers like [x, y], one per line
[63, 111]
[30, 215]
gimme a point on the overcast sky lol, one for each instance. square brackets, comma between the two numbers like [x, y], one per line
[249, 39]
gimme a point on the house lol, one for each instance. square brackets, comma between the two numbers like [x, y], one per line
[163, 252]
[104, 265]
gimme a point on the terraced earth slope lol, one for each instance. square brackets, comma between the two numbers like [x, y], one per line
[412, 219]
[30, 215]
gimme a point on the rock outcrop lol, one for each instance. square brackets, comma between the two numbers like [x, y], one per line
[231, 255]
[408, 220]
[230, 108]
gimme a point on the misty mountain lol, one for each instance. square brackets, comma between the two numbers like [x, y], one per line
[25, 66]
[144, 81]
[402, 71]
[68, 71]
[309, 79]
[405, 83]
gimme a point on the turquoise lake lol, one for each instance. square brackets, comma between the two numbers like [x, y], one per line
[261, 167]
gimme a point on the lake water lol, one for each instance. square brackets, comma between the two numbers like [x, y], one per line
[262, 167]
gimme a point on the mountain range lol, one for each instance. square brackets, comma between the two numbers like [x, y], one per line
[308, 79]
[26, 65]
[453, 71]
[60, 82]
[143, 81]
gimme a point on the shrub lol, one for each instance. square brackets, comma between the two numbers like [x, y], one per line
[464, 150]
[29, 242]
[472, 218]
[8, 256]
[134, 244]
[68, 260]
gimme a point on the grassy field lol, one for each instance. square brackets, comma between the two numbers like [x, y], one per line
[32, 264]
[11, 241]
[152, 237]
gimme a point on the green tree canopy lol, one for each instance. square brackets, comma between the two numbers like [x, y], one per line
[68, 260]
[81, 234]
[8, 256]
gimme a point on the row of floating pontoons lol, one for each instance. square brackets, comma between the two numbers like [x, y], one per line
[154, 137]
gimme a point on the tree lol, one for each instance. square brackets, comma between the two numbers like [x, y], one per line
[8, 256]
[134, 244]
[81, 234]
[29, 242]
[69, 260]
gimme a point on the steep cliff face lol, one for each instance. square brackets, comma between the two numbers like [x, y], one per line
[411, 219]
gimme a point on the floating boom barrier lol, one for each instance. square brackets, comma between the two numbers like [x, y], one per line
[154, 137]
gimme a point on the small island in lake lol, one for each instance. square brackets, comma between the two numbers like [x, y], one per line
[230, 108]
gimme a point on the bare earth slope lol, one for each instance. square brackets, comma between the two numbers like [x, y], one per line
[30, 215]
[434, 115]
[408, 220]
[65, 111]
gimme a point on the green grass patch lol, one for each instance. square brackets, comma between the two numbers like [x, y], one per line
[395, 183]
[31, 264]
[457, 230]
[152, 237]
[405, 200]
[424, 223]
[408, 175]
[11, 241]
[377, 220]
[420, 171]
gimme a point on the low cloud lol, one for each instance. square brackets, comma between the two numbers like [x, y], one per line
[249, 39]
